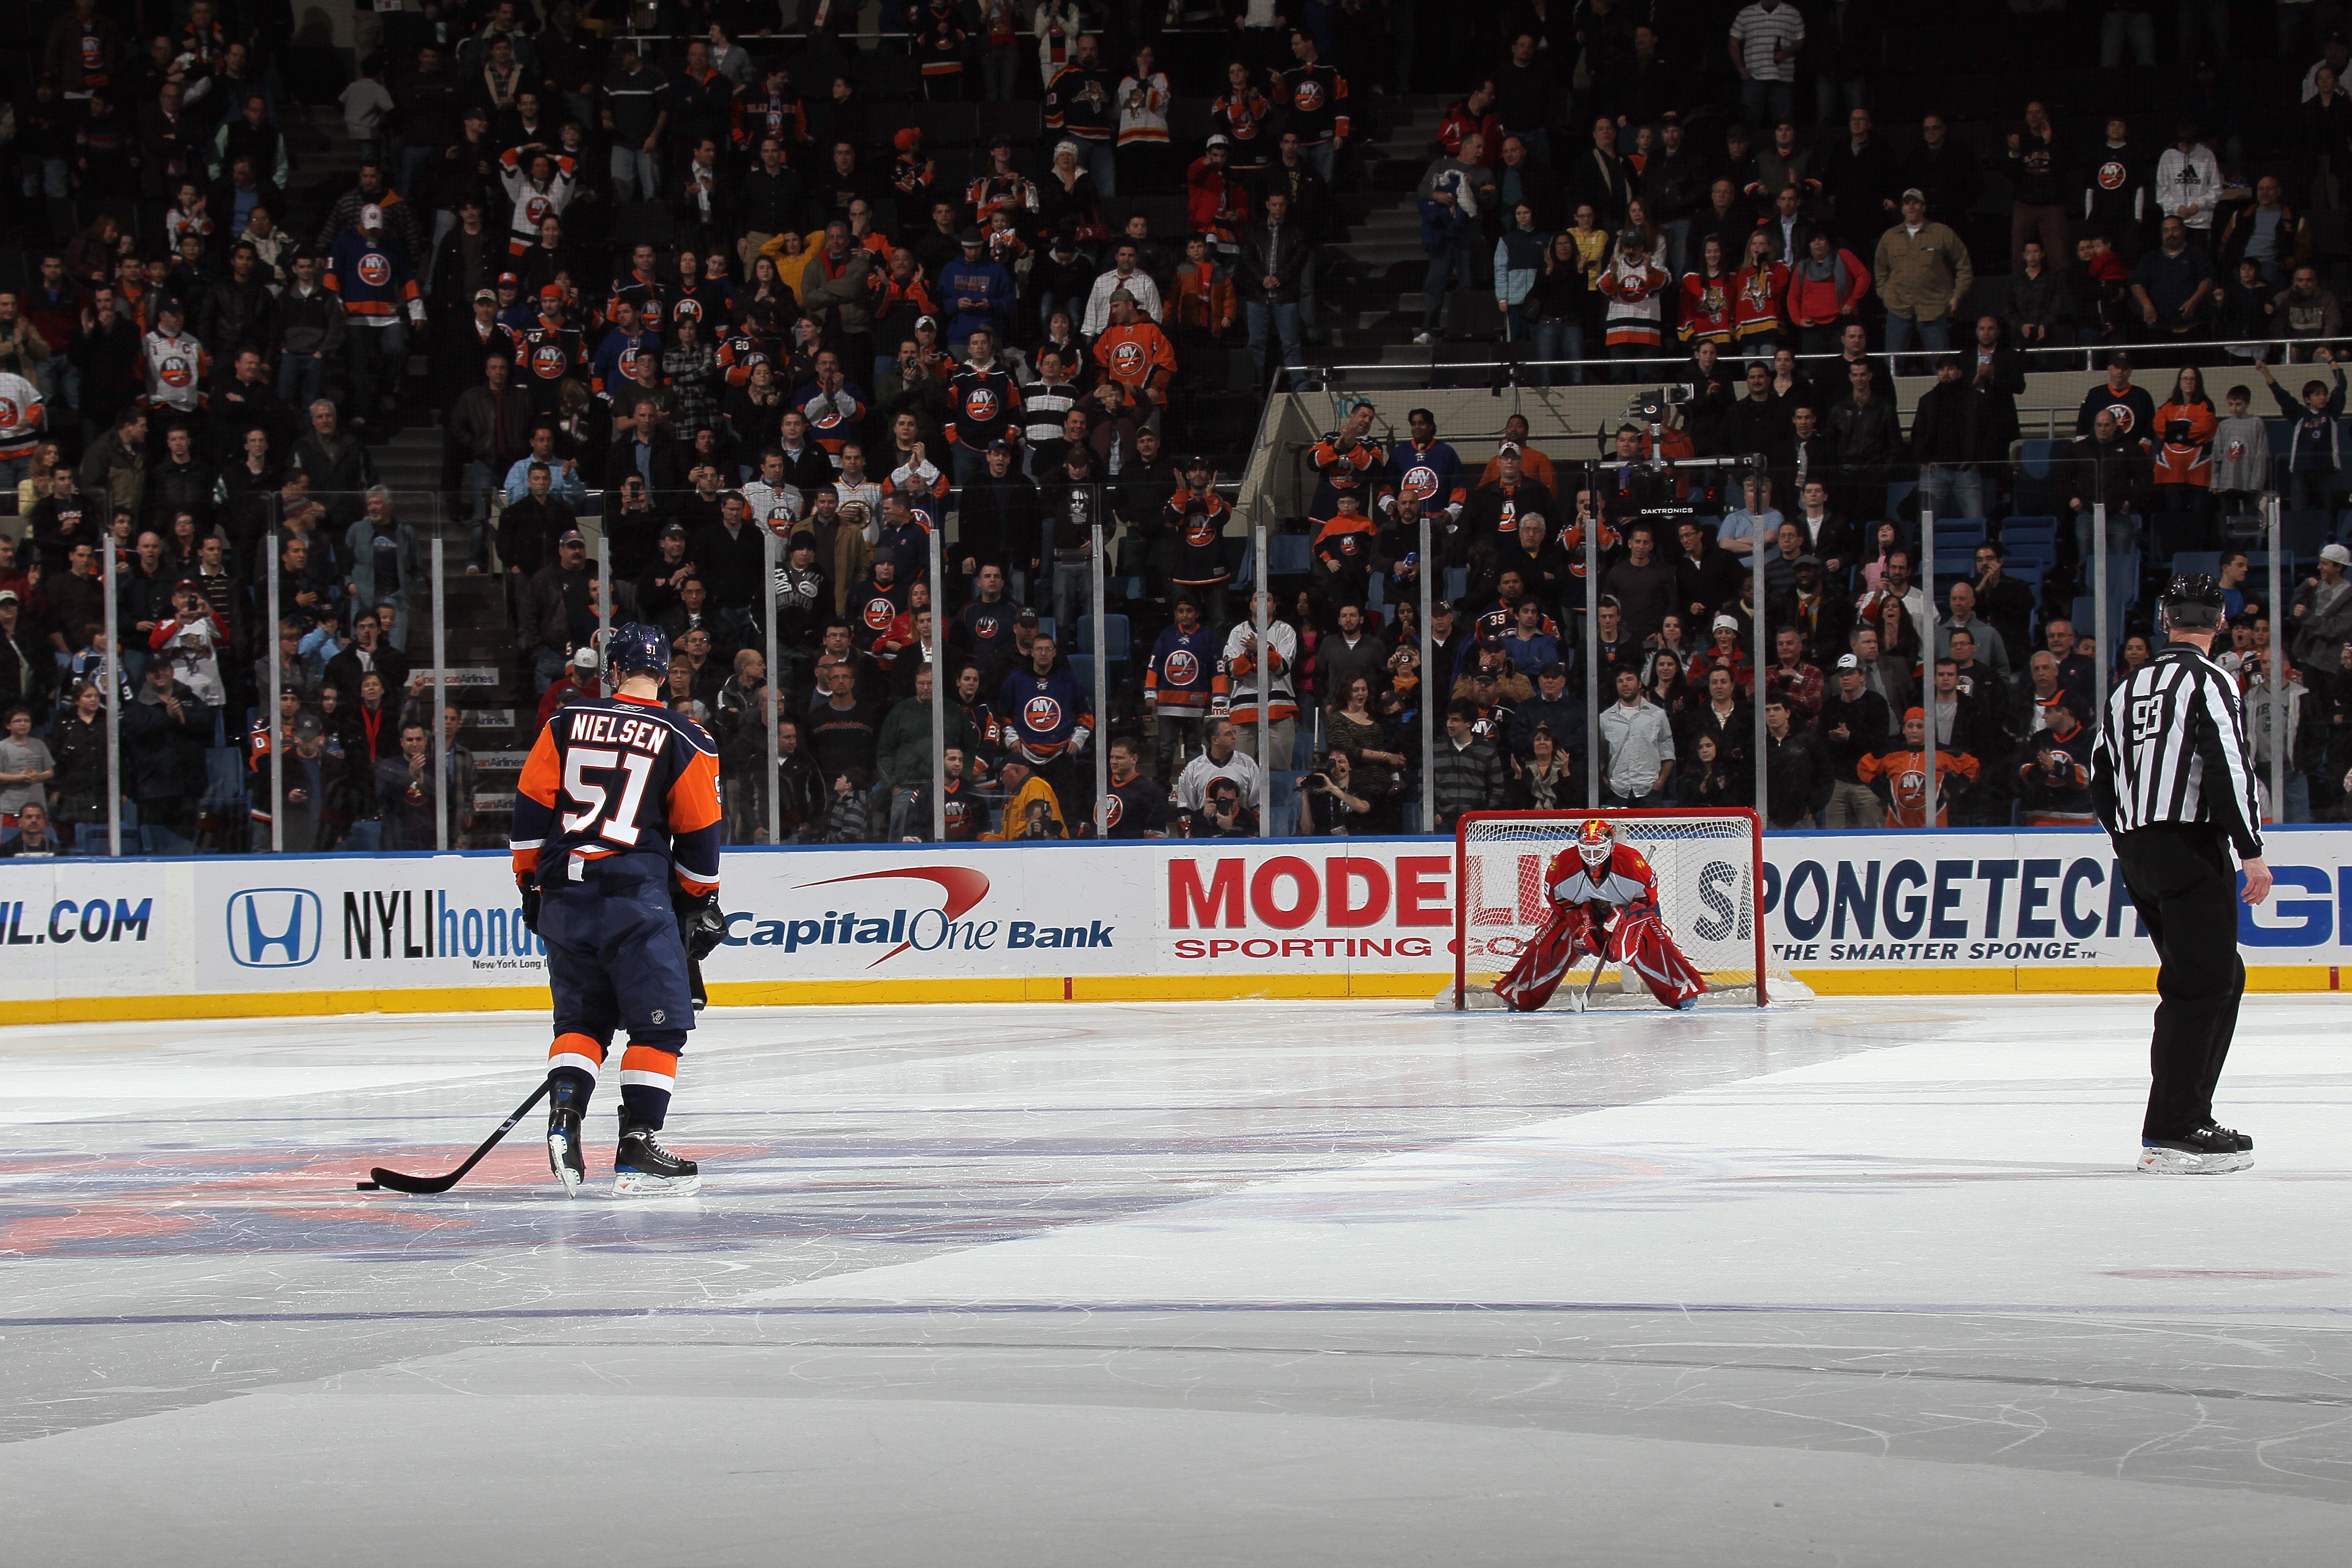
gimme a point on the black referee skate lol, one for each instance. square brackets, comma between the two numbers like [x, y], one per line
[2245, 1144]
[642, 1168]
[563, 1157]
[2209, 1151]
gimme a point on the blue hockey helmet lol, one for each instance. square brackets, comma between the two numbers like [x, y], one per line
[636, 649]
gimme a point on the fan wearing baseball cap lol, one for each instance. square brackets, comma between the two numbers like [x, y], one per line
[552, 352]
[1923, 272]
[369, 271]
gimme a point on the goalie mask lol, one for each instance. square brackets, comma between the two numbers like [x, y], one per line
[1594, 840]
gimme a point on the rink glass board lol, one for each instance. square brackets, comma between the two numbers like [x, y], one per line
[1890, 913]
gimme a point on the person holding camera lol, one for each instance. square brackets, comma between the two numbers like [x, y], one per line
[1326, 808]
[1221, 814]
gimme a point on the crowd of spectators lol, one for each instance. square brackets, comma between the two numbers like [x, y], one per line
[704, 298]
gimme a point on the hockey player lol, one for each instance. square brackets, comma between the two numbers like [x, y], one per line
[616, 855]
[1598, 878]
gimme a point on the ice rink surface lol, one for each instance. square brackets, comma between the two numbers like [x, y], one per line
[1866, 1282]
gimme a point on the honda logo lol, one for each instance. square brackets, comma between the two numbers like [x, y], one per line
[274, 927]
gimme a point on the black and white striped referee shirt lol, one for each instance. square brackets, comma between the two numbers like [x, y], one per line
[2174, 751]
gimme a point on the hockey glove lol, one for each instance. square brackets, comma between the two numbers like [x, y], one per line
[700, 923]
[529, 891]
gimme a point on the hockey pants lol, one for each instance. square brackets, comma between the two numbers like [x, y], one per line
[1637, 939]
[614, 960]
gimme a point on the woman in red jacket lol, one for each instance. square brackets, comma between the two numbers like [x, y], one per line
[1826, 287]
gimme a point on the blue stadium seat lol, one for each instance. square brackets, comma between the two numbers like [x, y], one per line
[1045, 629]
[1288, 556]
[1115, 632]
[1458, 583]
[2184, 561]
[1898, 492]
[2034, 485]
[2281, 438]
[2304, 532]
[1959, 534]
[1283, 803]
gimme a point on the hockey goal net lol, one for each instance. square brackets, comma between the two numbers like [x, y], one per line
[1710, 872]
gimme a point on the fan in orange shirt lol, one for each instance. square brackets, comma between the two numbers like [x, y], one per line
[1135, 353]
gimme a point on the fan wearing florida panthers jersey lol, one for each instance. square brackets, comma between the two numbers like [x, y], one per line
[1605, 901]
[615, 845]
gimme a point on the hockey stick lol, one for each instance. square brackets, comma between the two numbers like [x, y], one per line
[1579, 1000]
[380, 1177]
[693, 983]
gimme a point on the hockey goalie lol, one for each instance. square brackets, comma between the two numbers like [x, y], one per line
[1604, 902]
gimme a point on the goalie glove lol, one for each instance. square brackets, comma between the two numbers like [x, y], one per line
[700, 923]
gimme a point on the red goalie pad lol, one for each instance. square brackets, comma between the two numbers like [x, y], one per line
[1567, 936]
[1637, 940]
[1642, 941]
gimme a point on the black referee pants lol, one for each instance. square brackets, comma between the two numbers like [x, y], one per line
[2182, 882]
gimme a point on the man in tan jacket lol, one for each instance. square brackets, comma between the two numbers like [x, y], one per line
[1923, 274]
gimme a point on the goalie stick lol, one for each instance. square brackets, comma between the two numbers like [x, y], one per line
[380, 1177]
[1580, 1000]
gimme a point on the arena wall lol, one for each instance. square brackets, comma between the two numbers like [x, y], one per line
[1885, 914]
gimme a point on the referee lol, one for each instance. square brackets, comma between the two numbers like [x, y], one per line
[2175, 790]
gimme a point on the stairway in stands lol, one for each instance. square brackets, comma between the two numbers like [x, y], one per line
[1373, 316]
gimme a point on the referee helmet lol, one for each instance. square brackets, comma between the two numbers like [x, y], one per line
[2193, 602]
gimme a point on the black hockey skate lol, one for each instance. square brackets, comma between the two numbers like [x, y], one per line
[563, 1155]
[2209, 1151]
[642, 1168]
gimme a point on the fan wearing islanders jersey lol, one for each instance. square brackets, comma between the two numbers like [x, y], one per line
[1346, 459]
[1428, 469]
[176, 363]
[615, 846]
[541, 188]
[1604, 902]
[1184, 675]
[1047, 716]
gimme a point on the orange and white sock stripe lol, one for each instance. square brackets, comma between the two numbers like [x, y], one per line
[579, 1051]
[650, 1067]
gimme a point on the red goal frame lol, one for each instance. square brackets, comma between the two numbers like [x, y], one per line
[1464, 823]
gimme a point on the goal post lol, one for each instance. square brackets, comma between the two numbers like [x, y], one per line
[1709, 864]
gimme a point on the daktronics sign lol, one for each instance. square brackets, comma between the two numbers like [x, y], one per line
[1326, 906]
